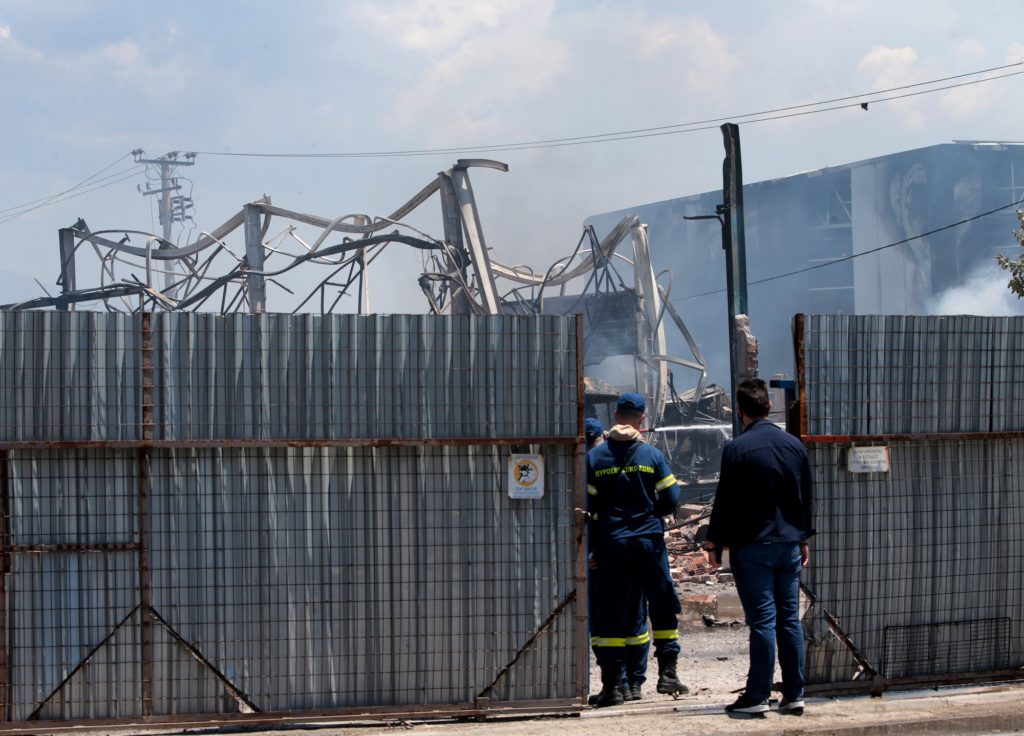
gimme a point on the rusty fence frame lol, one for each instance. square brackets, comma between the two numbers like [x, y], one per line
[479, 709]
[875, 682]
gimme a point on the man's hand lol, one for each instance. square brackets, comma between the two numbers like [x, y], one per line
[712, 557]
[805, 553]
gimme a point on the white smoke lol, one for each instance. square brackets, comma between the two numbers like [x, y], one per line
[984, 293]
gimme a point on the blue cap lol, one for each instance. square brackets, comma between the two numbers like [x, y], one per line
[594, 429]
[631, 402]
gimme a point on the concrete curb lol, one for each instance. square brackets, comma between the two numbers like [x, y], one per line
[986, 709]
[977, 723]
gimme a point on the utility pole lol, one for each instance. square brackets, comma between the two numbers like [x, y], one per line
[730, 216]
[172, 208]
[734, 243]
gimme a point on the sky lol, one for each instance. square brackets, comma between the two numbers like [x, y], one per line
[85, 83]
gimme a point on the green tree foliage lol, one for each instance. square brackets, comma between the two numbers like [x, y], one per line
[1015, 265]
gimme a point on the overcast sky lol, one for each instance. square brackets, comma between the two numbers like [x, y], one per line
[85, 82]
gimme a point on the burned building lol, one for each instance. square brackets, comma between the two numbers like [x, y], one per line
[887, 235]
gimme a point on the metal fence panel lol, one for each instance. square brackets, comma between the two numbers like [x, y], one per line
[897, 374]
[316, 518]
[324, 577]
[918, 570]
[905, 560]
[69, 376]
[272, 376]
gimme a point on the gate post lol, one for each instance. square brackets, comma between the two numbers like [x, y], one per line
[580, 502]
[145, 601]
[5, 567]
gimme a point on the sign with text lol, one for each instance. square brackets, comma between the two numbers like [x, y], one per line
[525, 476]
[868, 459]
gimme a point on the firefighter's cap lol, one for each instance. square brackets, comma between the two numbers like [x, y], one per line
[631, 402]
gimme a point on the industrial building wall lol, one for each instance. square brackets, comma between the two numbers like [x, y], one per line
[915, 428]
[247, 515]
[814, 243]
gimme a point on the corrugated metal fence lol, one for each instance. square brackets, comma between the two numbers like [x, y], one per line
[268, 514]
[918, 570]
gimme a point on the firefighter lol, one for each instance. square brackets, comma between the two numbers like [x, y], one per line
[638, 643]
[629, 489]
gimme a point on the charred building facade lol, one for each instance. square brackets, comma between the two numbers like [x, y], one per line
[887, 235]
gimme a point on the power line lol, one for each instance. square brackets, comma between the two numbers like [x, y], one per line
[123, 175]
[66, 191]
[690, 127]
[862, 253]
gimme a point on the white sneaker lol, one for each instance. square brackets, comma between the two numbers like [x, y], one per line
[793, 707]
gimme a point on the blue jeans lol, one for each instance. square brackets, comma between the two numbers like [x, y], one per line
[768, 583]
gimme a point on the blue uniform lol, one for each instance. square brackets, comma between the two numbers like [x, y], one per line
[629, 488]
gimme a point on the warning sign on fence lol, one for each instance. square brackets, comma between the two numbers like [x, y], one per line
[526, 476]
[868, 459]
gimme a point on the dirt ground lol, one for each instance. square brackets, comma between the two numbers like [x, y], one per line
[713, 661]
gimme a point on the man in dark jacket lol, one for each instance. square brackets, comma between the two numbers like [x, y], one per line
[763, 513]
[629, 488]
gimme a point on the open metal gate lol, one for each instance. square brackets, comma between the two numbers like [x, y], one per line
[915, 428]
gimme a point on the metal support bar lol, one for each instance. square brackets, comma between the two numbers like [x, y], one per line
[484, 696]
[68, 277]
[456, 257]
[34, 716]
[580, 525]
[283, 442]
[475, 241]
[838, 632]
[652, 311]
[42, 549]
[255, 284]
[5, 568]
[277, 719]
[145, 602]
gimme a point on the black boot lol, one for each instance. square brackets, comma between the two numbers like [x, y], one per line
[611, 688]
[668, 683]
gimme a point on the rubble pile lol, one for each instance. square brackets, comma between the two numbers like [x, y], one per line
[708, 597]
[683, 538]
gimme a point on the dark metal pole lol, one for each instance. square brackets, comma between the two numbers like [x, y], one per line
[735, 250]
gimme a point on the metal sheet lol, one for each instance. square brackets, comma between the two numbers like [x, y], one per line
[69, 376]
[920, 567]
[875, 375]
[299, 577]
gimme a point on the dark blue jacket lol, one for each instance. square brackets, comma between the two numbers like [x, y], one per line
[629, 488]
[764, 490]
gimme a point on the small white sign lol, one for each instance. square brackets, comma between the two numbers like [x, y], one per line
[868, 459]
[526, 476]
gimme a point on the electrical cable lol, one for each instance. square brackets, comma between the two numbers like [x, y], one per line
[862, 253]
[69, 189]
[689, 127]
[124, 175]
